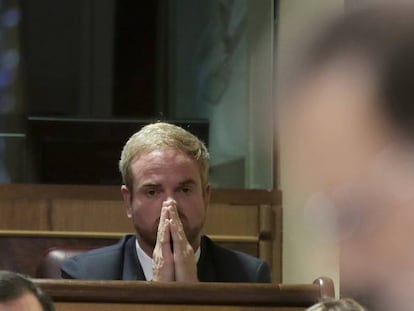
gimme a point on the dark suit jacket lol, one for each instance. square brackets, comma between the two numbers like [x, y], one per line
[120, 262]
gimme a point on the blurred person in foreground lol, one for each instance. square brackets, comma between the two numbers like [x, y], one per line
[347, 126]
[166, 194]
[344, 304]
[18, 293]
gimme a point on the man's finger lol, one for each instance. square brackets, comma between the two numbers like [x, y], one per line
[184, 260]
[165, 238]
[161, 226]
[179, 239]
[163, 261]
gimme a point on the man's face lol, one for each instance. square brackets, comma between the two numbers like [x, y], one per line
[338, 143]
[26, 302]
[160, 175]
[330, 126]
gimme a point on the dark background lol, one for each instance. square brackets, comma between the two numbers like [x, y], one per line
[94, 72]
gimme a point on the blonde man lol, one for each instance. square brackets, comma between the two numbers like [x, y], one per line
[166, 194]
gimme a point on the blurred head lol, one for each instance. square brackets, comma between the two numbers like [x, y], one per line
[353, 94]
[18, 293]
[347, 128]
[163, 161]
[345, 304]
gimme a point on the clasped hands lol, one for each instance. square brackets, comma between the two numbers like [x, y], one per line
[173, 256]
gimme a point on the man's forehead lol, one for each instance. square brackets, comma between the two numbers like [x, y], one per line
[164, 166]
[164, 153]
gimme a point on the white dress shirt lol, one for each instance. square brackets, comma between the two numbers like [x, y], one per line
[146, 261]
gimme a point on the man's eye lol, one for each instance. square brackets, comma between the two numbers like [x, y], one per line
[151, 193]
[186, 190]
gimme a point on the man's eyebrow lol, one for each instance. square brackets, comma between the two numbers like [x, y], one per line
[188, 182]
[149, 185]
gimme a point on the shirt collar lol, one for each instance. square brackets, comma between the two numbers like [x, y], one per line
[146, 261]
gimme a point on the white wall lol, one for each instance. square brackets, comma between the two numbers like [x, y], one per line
[305, 257]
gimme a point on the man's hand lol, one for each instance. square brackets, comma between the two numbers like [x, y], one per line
[163, 261]
[184, 260]
[176, 263]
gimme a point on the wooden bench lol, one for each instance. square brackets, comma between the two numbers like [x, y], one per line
[34, 218]
[131, 295]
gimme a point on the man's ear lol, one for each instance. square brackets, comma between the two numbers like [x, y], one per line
[126, 195]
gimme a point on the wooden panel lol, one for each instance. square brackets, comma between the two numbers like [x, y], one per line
[225, 219]
[246, 197]
[24, 212]
[70, 306]
[75, 208]
[90, 215]
[211, 294]
[277, 245]
[266, 224]
[249, 220]
[64, 215]
[109, 216]
[81, 192]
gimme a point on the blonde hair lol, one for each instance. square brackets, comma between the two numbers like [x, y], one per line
[344, 304]
[160, 136]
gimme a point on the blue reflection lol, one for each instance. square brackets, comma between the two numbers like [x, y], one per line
[7, 103]
[10, 59]
[4, 175]
[11, 17]
[6, 77]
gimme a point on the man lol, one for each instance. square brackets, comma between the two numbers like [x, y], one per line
[347, 128]
[18, 293]
[166, 194]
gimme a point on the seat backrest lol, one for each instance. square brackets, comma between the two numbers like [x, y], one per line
[49, 267]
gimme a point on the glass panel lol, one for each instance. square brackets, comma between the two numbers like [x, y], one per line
[11, 107]
[214, 75]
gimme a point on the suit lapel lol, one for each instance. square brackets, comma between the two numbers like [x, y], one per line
[132, 269]
[205, 266]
